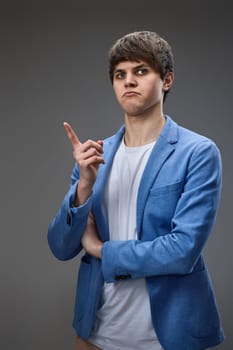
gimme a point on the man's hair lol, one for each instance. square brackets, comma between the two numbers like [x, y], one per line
[146, 46]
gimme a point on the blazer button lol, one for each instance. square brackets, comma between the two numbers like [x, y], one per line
[122, 277]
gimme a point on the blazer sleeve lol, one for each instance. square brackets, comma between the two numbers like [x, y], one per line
[176, 251]
[66, 229]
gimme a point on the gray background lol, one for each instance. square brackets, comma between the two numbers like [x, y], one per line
[54, 68]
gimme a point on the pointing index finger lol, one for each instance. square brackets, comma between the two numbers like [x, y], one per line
[71, 135]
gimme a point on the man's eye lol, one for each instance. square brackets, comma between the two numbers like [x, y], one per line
[141, 71]
[120, 75]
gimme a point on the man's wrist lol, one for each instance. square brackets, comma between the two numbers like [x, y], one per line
[82, 194]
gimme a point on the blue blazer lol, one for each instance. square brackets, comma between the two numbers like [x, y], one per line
[177, 202]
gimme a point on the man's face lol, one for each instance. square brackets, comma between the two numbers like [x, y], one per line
[138, 88]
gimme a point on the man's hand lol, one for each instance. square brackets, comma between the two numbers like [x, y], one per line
[90, 239]
[88, 156]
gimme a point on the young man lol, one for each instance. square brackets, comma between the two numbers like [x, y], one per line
[142, 204]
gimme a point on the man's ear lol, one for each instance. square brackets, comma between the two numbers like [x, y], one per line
[167, 81]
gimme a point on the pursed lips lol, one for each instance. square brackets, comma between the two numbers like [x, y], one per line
[130, 93]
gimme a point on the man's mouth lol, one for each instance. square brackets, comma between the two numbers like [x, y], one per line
[130, 93]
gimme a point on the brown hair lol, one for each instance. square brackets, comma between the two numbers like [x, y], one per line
[144, 45]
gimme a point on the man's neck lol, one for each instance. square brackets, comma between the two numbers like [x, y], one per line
[141, 130]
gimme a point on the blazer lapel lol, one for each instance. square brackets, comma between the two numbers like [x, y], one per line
[164, 146]
[99, 210]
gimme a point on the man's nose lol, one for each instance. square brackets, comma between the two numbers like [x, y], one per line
[130, 80]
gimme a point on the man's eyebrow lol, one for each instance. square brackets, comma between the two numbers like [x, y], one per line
[118, 70]
[142, 65]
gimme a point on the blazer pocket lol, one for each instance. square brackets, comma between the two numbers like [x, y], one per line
[166, 190]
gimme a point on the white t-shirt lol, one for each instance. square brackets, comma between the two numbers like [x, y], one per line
[123, 320]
